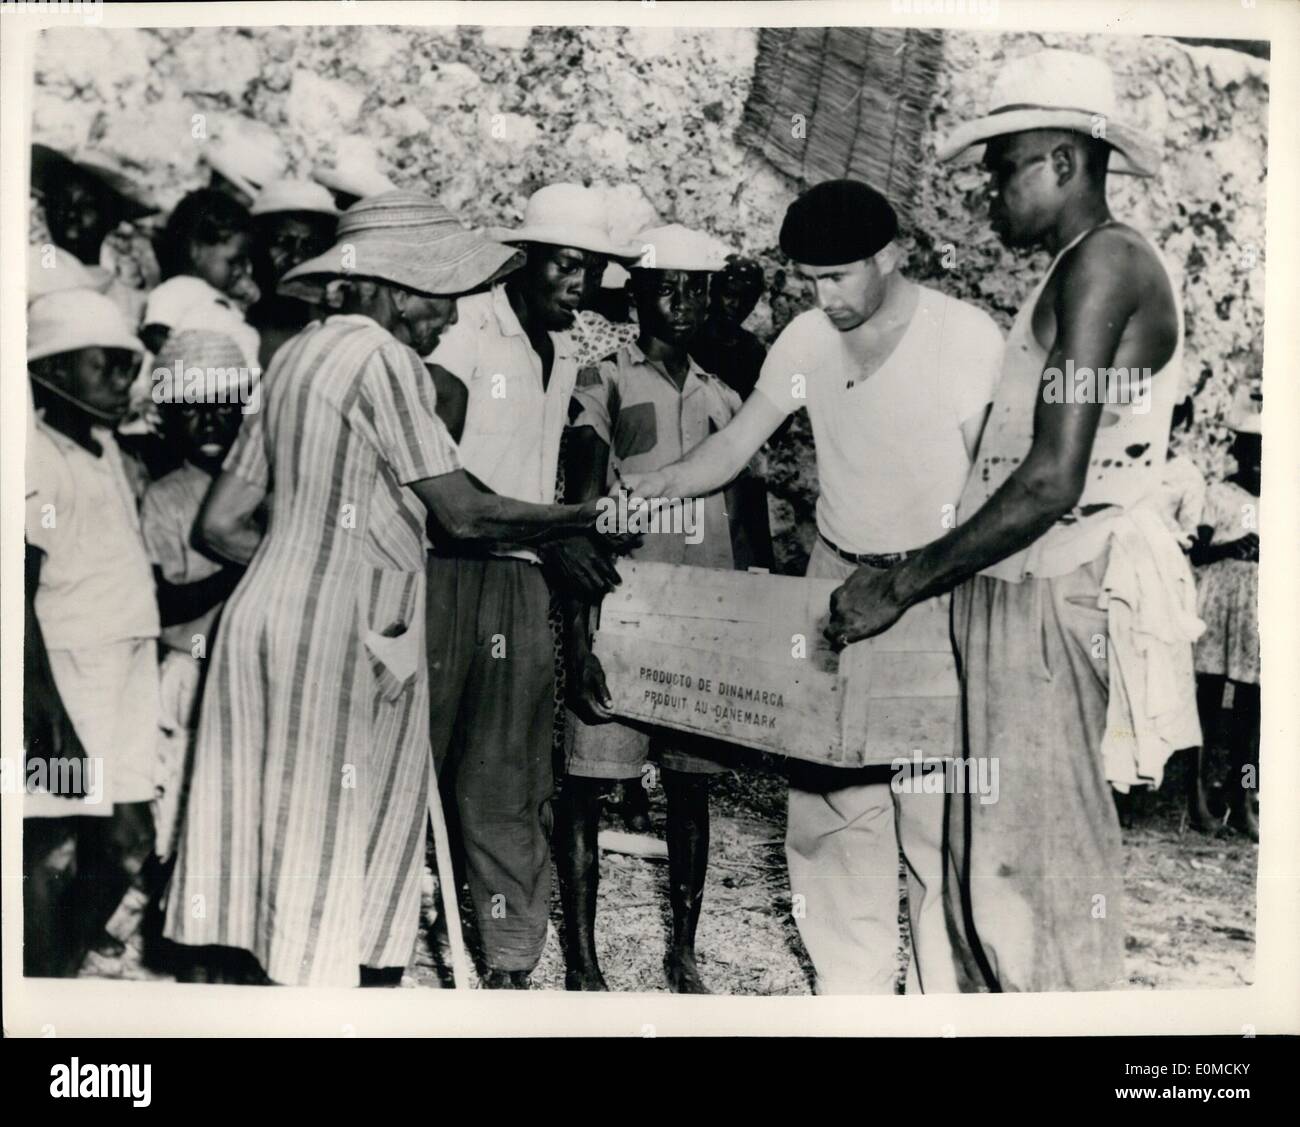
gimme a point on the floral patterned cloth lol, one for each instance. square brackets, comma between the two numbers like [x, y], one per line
[1228, 591]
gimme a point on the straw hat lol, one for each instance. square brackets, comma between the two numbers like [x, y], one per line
[64, 272]
[49, 166]
[293, 195]
[68, 320]
[220, 358]
[409, 239]
[566, 215]
[1056, 90]
[675, 247]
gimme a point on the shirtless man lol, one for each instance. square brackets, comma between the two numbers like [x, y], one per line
[1044, 523]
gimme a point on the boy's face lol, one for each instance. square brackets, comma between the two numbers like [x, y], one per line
[203, 432]
[733, 300]
[671, 304]
[293, 238]
[100, 378]
[225, 266]
[553, 281]
[78, 219]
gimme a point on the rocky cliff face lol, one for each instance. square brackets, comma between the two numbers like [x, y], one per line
[482, 117]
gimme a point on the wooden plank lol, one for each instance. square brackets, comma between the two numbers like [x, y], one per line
[741, 657]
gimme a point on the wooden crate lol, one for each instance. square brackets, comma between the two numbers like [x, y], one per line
[740, 656]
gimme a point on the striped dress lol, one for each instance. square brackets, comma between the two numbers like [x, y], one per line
[304, 833]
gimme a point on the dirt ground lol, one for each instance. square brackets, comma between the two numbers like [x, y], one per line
[1190, 904]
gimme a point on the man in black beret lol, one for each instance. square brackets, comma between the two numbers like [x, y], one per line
[896, 378]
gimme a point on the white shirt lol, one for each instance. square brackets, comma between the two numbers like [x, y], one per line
[890, 456]
[188, 302]
[96, 581]
[512, 424]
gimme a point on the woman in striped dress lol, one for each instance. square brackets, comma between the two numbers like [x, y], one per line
[304, 837]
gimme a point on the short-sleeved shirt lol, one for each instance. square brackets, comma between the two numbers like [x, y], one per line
[890, 455]
[348, 418]
[96, 582]
[637, 409]
[167, 514]
[511, 440]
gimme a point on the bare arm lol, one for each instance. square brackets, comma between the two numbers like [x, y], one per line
[465, 511]
[1093, 304]
[716, 460]
[228, 526]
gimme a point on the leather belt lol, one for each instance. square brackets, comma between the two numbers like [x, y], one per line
[883, 560]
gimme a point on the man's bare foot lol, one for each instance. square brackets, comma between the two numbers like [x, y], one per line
[588, 978]
[683, 974]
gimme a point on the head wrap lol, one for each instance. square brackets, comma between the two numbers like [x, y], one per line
[837, 221]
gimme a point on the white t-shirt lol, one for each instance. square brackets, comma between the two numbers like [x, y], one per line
[890, 457]
[96, 580]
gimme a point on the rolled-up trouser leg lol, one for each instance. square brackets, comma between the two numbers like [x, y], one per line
[503, 779]
[1041, 867]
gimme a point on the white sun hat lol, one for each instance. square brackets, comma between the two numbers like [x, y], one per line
[566, 215]
[675, 247]
[293, 195]
[1056, 90]
[247, 161]
[71, 319]
[51, 268]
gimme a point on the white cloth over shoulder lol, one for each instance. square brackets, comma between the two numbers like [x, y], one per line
[1150, 598]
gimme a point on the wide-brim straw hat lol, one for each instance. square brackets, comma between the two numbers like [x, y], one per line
[68, 320]
[675, 247]
[406, 238]
[293, 195]
[1056, 90]
[567, 215]
[124, 194]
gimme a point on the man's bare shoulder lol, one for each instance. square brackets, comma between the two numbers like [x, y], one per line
[1118, 259]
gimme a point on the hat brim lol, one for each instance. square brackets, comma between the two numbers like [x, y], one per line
[50, 165]
[293, 209]
[1135, 153]
[74, 342]
[358, 185]
[566, 235]
[443, 266]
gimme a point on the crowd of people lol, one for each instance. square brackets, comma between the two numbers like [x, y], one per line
[314, 542]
